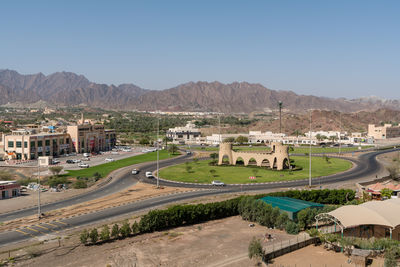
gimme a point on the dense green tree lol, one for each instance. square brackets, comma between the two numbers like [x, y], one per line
[94, 236]
[242, 139]
[125, 229]
[255, 249]
[115, 231]
[172, 148]
[105, 233]
[84, 236]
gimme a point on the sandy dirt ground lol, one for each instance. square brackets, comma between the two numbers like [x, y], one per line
[311, 256]
[137, 192]
[216, 243]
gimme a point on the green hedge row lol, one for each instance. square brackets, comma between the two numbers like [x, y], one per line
[325, 196]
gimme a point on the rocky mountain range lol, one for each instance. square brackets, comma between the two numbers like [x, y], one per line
[70, 89]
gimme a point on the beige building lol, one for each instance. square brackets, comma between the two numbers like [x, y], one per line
[25, 145]
[383, 132]
[88, 138]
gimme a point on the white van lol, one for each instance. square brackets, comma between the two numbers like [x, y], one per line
[149, 175]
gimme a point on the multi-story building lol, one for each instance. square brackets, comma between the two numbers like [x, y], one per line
[88, 138]
[25, 145]
[184, 134]
[383, 132]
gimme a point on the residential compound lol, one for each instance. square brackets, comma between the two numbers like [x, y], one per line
[383, 132]
[27, 144]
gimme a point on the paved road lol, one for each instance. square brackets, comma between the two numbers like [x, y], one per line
[114, 186]
[367, 165]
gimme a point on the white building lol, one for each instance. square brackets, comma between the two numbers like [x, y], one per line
[188, 133]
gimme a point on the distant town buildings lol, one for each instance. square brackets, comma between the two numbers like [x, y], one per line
[383, 132]
[188, 133]
[91, 138]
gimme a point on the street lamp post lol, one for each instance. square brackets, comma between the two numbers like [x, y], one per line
[158, 156]
[309, 180]
[39, 211]
[280, 116]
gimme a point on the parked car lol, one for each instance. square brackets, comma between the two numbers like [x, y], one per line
[135, 171]
[86, 154]
[114, 152]
[55, 161]
[217, 183]
[70, 161]
[109, 159]
[83, 165]
[86, 159]
[76, 160]
[149, 175]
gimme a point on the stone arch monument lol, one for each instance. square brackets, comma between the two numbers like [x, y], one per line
[277, 158]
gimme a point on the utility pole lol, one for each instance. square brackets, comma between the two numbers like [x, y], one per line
[39, 211]
[280, 116]
[219, 129]
[158, 132]
[340, 132]
[309, 180]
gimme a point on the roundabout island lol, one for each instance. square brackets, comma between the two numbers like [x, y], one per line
[205, 171]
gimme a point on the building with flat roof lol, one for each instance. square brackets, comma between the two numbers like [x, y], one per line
[184, 134]
[26, 145]
[383, 132]
[87, 138]
[289, 205]
[9, 189]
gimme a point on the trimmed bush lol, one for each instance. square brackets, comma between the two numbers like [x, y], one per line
[125, 229]
[84, 236]
[115, 231]
[292, 228]
[94, 236]
[105, 233]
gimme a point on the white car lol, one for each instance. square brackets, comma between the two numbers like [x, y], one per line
[135, 171]
[76, 160]
[85, 159]
[114, 152]
[83, 165]
[86, 154]
[217, 183]
[110, 159]
[55, 161]
[149, 175]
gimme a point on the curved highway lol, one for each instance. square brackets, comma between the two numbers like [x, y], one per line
[114, 186]
[366, 165]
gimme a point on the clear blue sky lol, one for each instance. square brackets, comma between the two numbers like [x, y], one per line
[328, 48]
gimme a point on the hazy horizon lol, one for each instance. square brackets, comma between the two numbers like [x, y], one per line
[331, 49]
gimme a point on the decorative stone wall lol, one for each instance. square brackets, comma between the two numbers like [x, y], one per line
[277, 158]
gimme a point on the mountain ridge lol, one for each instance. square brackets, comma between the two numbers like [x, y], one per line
[68, 88]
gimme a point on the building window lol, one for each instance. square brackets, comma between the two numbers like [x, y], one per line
[67, 140]
[26, 144]
[18, 144]
[10, 143]
[33, 144]
[40, 143]
[47, 142]
[61, 141]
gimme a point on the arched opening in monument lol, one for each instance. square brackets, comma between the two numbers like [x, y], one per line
[286, 164]
[252, 162]
[275, 165]
[265, 163]
[239, 161]
[225, 160]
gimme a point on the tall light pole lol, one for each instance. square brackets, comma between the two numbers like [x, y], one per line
[39, 211]
[340, 132]
[280, 116]
[158, 156]
[309, 179]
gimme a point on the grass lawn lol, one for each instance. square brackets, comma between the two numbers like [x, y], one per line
[200, 172]
[106, 168]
